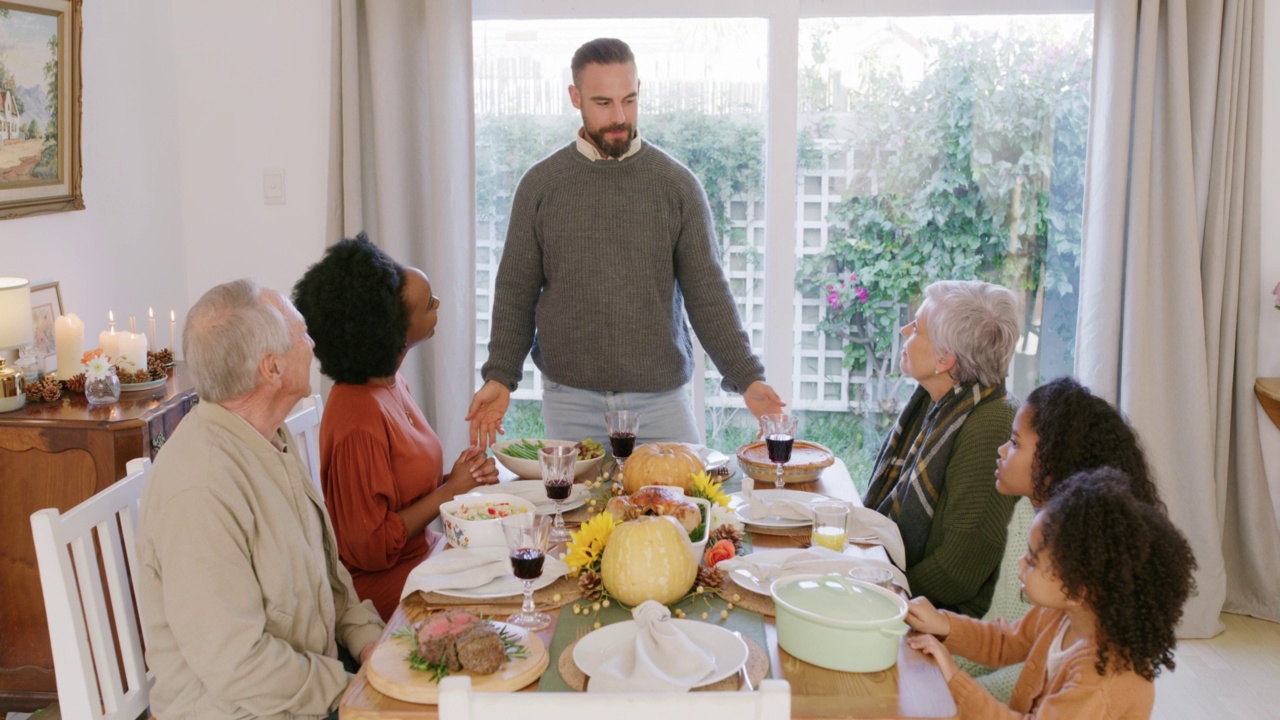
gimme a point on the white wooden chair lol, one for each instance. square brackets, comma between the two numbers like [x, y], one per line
[87, 628]
[771, 702]
[304, 424]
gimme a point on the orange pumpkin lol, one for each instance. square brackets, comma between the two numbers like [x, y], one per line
[661, 463]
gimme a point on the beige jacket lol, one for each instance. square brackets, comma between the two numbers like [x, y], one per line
[242, 597]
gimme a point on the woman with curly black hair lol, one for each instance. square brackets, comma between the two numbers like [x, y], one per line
[1108, 574]
[381, 464]
[1062, 429]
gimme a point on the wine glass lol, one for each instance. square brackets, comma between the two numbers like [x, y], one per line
[779, 435]
[623, 425]
[526, 535]
[558, 463]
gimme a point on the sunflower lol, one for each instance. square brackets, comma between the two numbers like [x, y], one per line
[702, 486]
[587, 544]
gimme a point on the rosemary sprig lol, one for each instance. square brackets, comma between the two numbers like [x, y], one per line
[511, 648]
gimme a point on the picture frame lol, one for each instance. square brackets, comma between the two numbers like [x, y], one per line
[46, 307]
[40, 118]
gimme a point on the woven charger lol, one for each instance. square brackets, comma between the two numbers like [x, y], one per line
[419, 605]
[757, 666]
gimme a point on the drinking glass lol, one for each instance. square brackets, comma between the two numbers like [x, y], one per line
[623, 426]
[830, 525]
[874, 575]
[526, 535]
[779, 435]
[558, 462]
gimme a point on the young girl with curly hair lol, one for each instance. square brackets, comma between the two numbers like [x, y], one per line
[1063, 429]
[1108, 575]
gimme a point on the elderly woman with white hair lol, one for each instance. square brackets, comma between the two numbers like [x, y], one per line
[934, 473]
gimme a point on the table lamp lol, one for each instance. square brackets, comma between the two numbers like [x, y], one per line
[15, 331]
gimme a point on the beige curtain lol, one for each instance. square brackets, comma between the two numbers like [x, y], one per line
[401, 167]
[1169, 291]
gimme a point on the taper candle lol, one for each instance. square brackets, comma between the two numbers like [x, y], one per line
[172, 325]
[109, 339]
[151, 330]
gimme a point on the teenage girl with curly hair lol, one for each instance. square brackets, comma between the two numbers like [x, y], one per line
[1108, 575]
[1062, 429]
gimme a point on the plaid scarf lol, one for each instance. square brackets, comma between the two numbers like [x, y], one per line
[912, 466]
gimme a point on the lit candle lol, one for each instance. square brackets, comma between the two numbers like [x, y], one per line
[172, 324]
[133, 351]
[109, 339]
[133, 323]
[151, 329]
[68, 338]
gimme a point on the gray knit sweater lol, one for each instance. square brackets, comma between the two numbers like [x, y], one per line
[604, 259]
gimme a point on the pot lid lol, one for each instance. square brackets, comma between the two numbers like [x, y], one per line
[838, 599]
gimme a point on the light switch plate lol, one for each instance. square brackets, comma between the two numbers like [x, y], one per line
[273, 186]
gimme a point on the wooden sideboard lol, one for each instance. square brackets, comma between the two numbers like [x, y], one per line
[58, 455]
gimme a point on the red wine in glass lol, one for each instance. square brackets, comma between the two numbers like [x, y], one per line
[526, 563]
[622, 444]
[780, 447]
[558, 491]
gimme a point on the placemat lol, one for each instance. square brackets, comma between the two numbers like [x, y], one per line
[757, 668]
[418, 605]
[570, 627]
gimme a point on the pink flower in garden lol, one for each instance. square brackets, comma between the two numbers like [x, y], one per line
[833, 299]
[863, 295]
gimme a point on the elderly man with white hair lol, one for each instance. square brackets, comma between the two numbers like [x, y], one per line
[935, 474]
[241, 593]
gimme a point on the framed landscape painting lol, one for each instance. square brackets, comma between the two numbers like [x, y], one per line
[39, 107]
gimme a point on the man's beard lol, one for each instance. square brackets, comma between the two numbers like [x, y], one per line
[615, 148]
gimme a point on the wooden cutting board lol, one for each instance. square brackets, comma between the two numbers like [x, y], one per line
[389, 672]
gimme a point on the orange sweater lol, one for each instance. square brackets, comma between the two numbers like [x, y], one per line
[377, 455]
[1076, 690]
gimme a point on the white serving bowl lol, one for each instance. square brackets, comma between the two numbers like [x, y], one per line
[838, 623]
[532, 469]
[464, 533]
[699, 546]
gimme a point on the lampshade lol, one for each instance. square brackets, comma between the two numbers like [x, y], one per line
[15, 313]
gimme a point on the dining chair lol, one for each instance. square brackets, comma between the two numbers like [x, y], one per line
[304, 425]
[771, 702]
[88, 560]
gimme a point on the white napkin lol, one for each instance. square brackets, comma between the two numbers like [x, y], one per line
[865, 522]
[458, 569]
[816, 560]
[661, 658]
[778, 507]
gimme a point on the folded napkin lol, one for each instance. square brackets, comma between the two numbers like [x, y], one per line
[762, 506]
[660, 659]
[865, 523]
[458, 569]
[817, 560]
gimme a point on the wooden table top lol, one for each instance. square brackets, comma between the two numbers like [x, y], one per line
[913, 688]
[1268, 392]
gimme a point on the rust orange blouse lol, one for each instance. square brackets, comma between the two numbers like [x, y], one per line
[377, 455]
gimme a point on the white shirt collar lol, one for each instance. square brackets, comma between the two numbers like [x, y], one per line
[591, 153]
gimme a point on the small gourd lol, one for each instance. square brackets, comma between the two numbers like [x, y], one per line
[661, 463]
[649, 558]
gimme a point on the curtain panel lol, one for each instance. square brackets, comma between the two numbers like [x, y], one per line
[1169, 283]
[402, 168]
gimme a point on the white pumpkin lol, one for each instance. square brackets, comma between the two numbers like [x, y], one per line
[648, 558]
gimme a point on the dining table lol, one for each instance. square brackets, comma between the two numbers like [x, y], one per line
[912, 688]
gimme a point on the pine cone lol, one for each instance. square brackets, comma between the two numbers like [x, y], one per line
[710, 578]
[34, 391]
[50, 389]
[590, 584]
[74, 384]
[138, 376]
[164, 355]
[726, 532]
[155, 367]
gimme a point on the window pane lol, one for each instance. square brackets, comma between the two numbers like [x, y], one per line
[952, 148]
[701, 100]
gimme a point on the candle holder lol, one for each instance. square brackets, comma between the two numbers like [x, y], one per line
[103, 389]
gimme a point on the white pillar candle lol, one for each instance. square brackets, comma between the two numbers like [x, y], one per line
[151, 329]
[68, 338]
[133, 351]
[108, 339]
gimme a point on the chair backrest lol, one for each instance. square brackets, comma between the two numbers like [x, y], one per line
[304, 424]
[459, 702]
[93, 626]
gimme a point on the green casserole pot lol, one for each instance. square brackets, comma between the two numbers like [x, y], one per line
[839, 623]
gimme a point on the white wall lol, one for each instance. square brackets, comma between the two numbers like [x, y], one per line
[1269, 323]
[125, 250]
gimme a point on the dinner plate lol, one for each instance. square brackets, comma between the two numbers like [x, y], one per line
[598, 646]
[737, 501]
[534, 492]
[711, 459]
[746, 580]
[508, 585]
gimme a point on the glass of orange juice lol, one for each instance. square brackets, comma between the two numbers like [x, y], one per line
[830, 529]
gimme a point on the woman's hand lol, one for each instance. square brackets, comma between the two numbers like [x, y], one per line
[472, 469]
[923, 616]
[488, 406]
[933, 647]
[761, 399]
